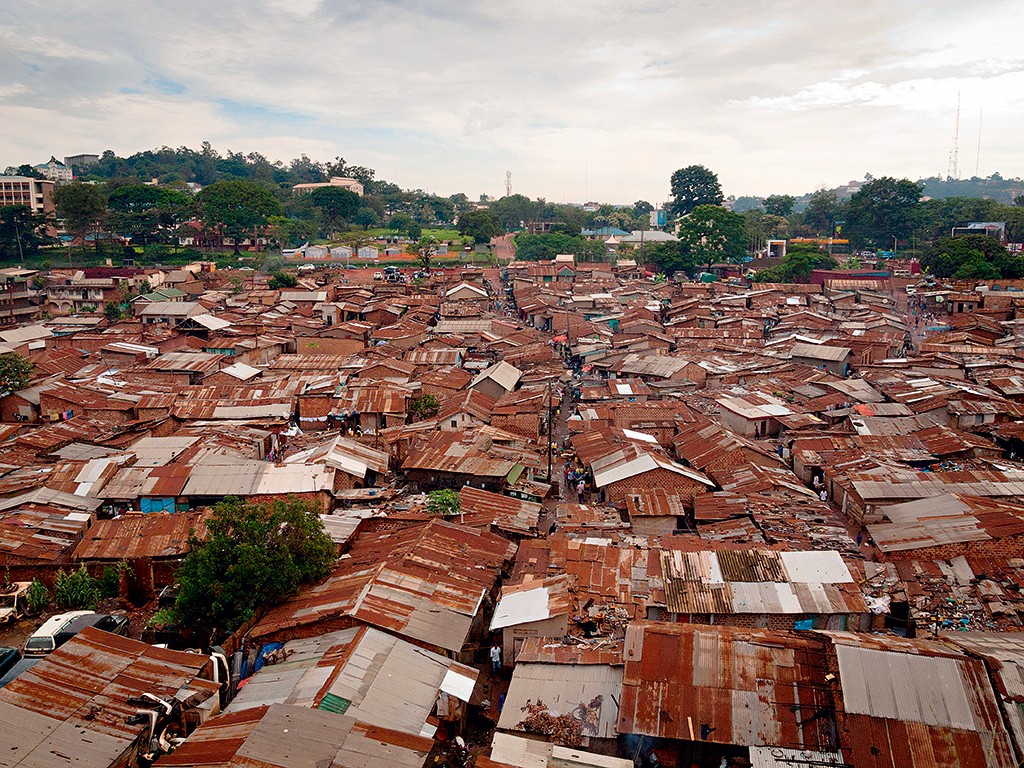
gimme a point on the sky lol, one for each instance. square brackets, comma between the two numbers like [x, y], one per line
[579, 100]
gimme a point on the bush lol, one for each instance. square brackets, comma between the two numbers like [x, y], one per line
[76, 590]
[257, 553]
[444, 502]
[37, 597]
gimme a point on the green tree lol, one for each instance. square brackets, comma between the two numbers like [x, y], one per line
[712, 234]
[1018, 200]
[424, 406]
[779, 205]
[693, 186]
[237, 208]
[480, 225]
[281, 279]
[641, 208]
[256, 554]
[113, 312]
[414, 231]
[81, 206]
[797, 265]
[339, 205]
[15, 371]
[513, 212]
[146, 213]
[883, 209]
[971, 257]
[366, 217]
[22, 233]
[821, 212]
[670, 257]
[425, 250]
[444, 502]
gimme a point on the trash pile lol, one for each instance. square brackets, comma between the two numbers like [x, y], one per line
[565, 730]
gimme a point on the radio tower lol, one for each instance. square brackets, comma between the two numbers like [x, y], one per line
[954, 152]
[508, 183]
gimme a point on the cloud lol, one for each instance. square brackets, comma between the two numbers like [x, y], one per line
[598, 99]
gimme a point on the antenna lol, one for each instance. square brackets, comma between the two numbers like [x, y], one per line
[977, 158]
[954, 152]
[508, 183]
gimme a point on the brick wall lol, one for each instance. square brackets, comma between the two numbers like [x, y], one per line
[670, 482]
[1009, 547]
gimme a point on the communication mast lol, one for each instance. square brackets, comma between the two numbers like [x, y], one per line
[508, 183]
[954, 153]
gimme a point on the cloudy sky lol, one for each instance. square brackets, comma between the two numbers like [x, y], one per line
[579, 100]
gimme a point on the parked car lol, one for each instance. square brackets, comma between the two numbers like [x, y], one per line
[20, 667]
[116, 624]
[8, 658]
[12, 601]
[44, 639]
[378, 275]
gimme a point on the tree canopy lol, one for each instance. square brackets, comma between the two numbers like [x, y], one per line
[796, 266]
[883, 209]
[821, 212]
[22, 233]
[779, 205]
[480, 225]
[239, 208]
[81, 206]
[712, 234]
[693, 186]
[14, 373]
[544, 247]
[338, 204]
[256, 554]
[971, 257]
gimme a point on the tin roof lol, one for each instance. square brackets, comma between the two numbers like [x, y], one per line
[759, 582]
[361, 665]
[749, 687]
[561, 689]
[425, 582]
[255, 738]
[157, 535]
[483, 509]
[71, 708]
[913, 702]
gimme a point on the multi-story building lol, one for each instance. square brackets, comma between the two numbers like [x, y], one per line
[37, 194]
[67, 295]
[55, 170]
[17, 297]
[353, 185]
[81, 160]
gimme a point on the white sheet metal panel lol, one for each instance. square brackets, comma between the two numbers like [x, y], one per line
[519, 752]
[458, 685]
[563, 688]
[904, 686]
[521, 607]
[820, 567]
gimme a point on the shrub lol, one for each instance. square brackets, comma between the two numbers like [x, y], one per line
[37, 597]
[76, 590]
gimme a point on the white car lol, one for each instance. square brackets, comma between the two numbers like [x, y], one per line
[378, 275]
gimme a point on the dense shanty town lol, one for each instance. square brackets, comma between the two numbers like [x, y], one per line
[577, 515]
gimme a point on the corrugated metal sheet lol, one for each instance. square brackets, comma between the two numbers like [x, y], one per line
[752, 687]
[564, 688]
[425, 582]
[256, 739]
[71, 708]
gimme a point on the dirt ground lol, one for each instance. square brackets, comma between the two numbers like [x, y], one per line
[15, 634]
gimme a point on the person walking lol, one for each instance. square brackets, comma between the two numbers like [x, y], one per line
[496, 659]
